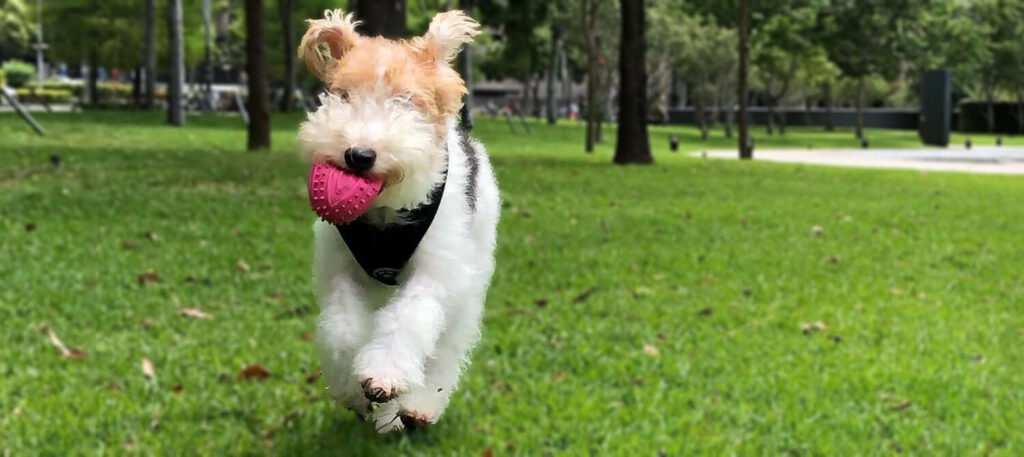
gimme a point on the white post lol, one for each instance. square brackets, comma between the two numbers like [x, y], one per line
[40, 46]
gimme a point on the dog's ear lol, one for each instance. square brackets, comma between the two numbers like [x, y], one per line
[447, 34]
[337, 31]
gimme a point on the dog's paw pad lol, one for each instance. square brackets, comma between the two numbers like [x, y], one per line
[378, 392]
[413, 420]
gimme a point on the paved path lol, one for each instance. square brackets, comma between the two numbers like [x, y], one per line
[988, 160]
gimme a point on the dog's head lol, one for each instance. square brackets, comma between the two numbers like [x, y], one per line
[388, 102]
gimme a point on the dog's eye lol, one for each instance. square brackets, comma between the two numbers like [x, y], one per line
[343, 94]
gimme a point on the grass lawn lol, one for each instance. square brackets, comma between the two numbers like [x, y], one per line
[635, 310]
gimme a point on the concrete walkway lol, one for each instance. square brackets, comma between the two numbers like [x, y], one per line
[986, 160]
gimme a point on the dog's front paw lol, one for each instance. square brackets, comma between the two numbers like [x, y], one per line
[379, 390]
[413, 420]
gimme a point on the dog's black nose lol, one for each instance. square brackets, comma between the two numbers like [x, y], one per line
[359, 159]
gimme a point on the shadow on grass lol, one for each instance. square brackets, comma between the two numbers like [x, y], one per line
[344, 434]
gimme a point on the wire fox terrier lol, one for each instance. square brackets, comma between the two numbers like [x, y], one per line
[402, 286]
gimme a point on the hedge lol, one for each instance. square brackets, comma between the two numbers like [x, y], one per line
[49, 95]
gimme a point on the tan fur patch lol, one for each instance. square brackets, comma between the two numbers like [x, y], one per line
[419, 69]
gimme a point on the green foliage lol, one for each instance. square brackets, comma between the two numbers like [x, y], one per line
[49, 95]
[16, 26]
[18, 73]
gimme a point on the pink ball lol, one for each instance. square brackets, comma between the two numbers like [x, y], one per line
[339, 196]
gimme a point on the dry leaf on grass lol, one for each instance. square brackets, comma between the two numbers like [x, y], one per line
[194, 313]
[254, 371]
[65, 351]
[808, 327]
[650, 350]
[312, 377]
[148, 277]
[148, 369]
[541, 302]
[242, 266]
[487, 453]
[901, 405]
[817, 230]
[178, 388]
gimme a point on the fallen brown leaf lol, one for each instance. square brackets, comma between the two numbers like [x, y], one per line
[583, 296]
[817, 326]
[30, 227]
[817, 230]
[129, 244]
[307, 336]
[242, 266]
[65, 351]
[706, 312]
[148, 369]
[254, 371]
[114, 387]
[194, 313]
[487, 453]
[312, 377]
[901, 405]
[541, 302]
[178, 388]
[650, 350]
[148, 277]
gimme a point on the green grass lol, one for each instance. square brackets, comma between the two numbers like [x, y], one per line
[918, 277]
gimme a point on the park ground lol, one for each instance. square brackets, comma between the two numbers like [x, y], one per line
[692, 307]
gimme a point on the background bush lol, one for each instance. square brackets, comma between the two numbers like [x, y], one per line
[18, 73]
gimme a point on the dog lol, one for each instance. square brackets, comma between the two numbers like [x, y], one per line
[395, 330]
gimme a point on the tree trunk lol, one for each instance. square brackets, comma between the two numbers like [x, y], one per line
[381, 18]
[782, 120]
[990, 111]
[176, 84]
[746, 152]
[1020, 113]
[633, 144]
[861, 89]
[256, 67]
[700, 115]
[149, 59]
[552, 107]
[285, 9]
[830, 123]
[591, 100]
[94, 76]
[466, 72]
[729, 118]
[137, 87]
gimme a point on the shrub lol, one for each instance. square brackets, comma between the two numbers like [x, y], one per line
[30, 94]
[18, 73]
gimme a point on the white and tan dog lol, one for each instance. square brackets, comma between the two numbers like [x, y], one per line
[398, 335]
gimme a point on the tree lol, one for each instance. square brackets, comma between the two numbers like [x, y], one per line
[15, 27]
[590, 34]
[149, 57]
[781, 47]
[746, 147]
[633, 144]
[285, 9]
[693, 46]
[865, 37]
[256, 67]
[385, 18]
[176, 84]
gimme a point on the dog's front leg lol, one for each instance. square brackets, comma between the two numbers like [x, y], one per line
[405, 334]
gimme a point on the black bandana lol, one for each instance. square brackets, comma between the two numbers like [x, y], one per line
[384, 251]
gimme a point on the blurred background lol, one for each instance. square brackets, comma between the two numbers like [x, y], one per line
[856, 289]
